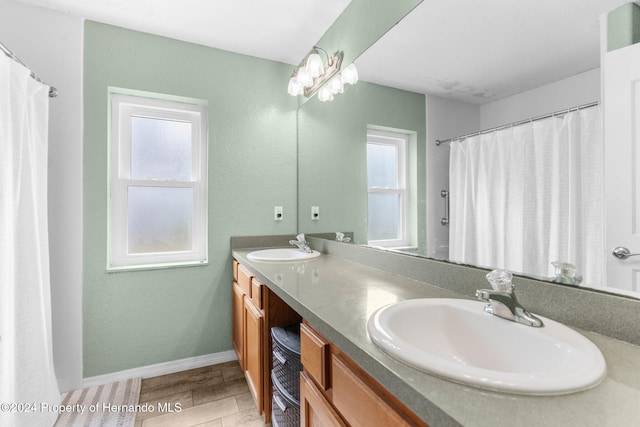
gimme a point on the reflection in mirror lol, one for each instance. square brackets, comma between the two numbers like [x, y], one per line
[526, 196]
[502, 69]
[358, 26]
[388, 180]
[332, 158]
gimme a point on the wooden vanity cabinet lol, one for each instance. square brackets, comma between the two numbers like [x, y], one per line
[334, 390]
[338, 392]
[255, 310]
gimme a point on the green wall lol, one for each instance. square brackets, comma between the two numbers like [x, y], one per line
[332, 171]
[623, 26]
[138, 318]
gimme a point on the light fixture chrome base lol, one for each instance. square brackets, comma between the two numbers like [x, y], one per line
[331, 69]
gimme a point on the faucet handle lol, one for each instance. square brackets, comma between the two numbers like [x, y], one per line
[300, 238]
[340, 237]
[500, 280]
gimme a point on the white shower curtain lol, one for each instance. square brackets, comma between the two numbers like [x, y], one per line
[525, 196]
[28, 386]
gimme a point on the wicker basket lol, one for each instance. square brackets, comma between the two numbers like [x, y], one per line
[285, 412]
[286, 359]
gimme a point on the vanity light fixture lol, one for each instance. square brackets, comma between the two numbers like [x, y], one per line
[314, 75]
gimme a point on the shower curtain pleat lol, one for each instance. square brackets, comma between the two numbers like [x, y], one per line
[525, 196]
[27, 379]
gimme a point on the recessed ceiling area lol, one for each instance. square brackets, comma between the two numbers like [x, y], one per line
[482, 51]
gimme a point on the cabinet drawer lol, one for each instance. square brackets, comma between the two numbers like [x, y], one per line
[256, 293]
[244, 279]
[235, 270]
[315, 356]
[356, 400]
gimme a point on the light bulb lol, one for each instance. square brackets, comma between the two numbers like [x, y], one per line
[335, 85]
[314, 65]
[325, 94]
[295, 88]
[350, 75]
[304, 78]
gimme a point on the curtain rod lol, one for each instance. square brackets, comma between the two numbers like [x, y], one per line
[53, 92]
[533, 119]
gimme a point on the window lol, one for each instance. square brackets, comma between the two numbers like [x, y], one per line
[387, 181]
[158, 182]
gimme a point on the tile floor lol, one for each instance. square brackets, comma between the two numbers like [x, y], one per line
[213, 396]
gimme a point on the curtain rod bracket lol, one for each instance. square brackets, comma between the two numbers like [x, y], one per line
[53, 92]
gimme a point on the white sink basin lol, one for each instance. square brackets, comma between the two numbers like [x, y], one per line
[282, 254]
[457, 340]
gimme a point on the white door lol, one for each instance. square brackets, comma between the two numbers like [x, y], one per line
[622, 173]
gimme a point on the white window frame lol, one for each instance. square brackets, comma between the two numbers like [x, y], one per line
[401, 142]
[123, 108]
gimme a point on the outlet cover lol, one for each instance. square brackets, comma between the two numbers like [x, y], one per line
[278, 213]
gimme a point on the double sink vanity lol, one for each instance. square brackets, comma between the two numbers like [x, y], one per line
[427, 354]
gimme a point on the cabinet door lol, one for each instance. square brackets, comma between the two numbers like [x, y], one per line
[253, 349]
[315, 411]
[237, 325]
[358, 403]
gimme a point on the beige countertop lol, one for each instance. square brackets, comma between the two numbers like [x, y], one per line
[337, 297]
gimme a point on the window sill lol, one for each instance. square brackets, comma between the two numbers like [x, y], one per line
[145, 267]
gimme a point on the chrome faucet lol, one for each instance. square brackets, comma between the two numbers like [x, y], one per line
[565, 273]
[341, 237]
[502, 301]
[301, 243]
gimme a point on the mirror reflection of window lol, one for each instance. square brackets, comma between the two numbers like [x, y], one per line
[387, 169]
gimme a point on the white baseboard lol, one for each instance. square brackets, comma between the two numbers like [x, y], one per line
[161, 368]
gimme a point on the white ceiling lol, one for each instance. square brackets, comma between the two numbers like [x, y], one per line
[474, 51]
[280, 30]
[481, 51]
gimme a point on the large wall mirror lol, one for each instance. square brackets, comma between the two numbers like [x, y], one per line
[368, 163]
